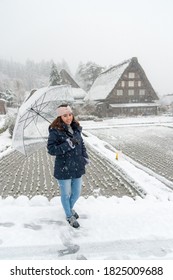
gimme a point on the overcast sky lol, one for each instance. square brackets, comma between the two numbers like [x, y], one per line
[103, 31]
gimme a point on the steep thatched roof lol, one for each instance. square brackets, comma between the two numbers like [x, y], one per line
[106, 81]
[66, 79]
[77, 92]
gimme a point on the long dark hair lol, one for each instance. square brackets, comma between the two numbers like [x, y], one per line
[58, 122]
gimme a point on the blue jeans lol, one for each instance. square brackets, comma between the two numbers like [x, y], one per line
[70, 190]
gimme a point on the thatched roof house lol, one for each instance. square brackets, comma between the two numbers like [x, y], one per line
[123, 89]
[77, 92]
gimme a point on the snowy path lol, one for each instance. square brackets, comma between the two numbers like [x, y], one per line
[139, 249]
[37, 229]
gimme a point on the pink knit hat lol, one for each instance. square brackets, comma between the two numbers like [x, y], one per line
[64, 110]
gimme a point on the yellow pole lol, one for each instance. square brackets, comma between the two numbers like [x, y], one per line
[116, 156]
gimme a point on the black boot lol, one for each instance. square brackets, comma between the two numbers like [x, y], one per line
[72, 221]
[75, 214]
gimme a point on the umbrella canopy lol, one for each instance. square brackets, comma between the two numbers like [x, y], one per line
[35, 115]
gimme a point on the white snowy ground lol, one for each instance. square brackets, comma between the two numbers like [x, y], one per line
[111, 228]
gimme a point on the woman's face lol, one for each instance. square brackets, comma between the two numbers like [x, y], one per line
[67, 118]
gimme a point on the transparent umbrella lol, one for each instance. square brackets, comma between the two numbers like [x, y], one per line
[34, 116]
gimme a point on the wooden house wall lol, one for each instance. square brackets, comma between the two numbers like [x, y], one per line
[140, 81]
[143, 93]
[105, 110]
[132, 111]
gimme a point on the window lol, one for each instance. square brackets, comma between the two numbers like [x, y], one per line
[130, 92]
[142, 92]
[131, 75]
[139, 83]
[119, 92]
[131, 83]
[123, 83]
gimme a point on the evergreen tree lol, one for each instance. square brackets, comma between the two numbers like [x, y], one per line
[87, 73]
[55, 78]
[8, 95]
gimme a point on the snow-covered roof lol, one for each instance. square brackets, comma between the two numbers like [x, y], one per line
[167, 99]
[133, 105]
[1, 99]
[106, 81]
[78, 93]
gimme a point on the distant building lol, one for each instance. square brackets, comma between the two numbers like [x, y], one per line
[167, 99]
[78, 93]
[123, 89]
[3, 109]
[66, 79]
[166, 103]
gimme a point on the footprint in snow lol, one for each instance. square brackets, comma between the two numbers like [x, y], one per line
[33, 226]
[7, 224]
[83, 216]
[52, 222]
[71, 249]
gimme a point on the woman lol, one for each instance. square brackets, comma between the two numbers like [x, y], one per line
[66, 143]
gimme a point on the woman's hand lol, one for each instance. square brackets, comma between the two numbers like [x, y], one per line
[70, 143]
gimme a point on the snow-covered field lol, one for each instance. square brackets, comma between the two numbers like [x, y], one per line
[111, 228]
[149, 145]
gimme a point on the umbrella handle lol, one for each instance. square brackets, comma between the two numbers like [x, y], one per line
[31, 109]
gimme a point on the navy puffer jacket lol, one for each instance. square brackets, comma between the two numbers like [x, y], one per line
[69, 162]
